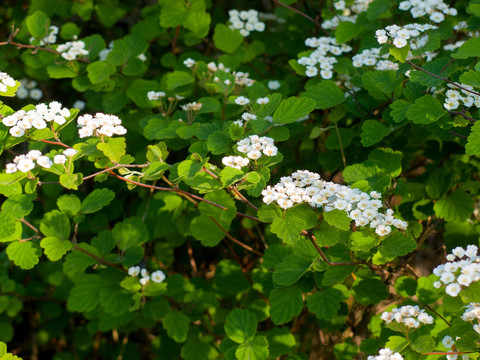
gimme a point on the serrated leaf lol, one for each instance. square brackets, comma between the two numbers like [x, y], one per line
[137, 92]
[195, 350]
[114, 148]
[387, 160]
[473, 141]
[129, 233]
[406, 286]
[426, 292]
[438, 183]
[71, 181]
[218, 143]
[471, 78]
[397, 343]
[288, 229]
[24, 254]
[326, 94]
[293, 109]
[55, 248]
[226, 39]
[155, 170]
[400, 54]
[177, 325]
[230, 175]
[399, 110]
[397, 244]
[255, 349]
[267, 213]
[470, 48]
[55, 223]
[96, 200]
[373, 131]
[362, 242]
[189, 168]
[377, 8]
[456, 206]
[99, 71]
[285, 303]
[198, 22]
[325, 303]
[347, 30]
[425, 110]
[423, 344]
[69, 204]
[291, 269]
[205, 230]
[84, 295]
[241, 325]
[178, 78]
[173, 13]
[338, 219]
[18, 206]
[38, 24]
[369, 291]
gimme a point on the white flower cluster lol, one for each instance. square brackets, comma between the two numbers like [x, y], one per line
[304, 186]
[386, 354]
[409, 315]
[62, 158]
[28, 88]
[322, 57]
[453, 98]
[435, 9]
[25, 163]
[72, 50]
[155, 95]
[246, 116]
[349, 13]
[246, 21]
[157, 276]
[102, 55]
[193, 106]
[236, 162]
[274, 84]
[6, 81]
[189, 62]
[472, 313]
[241, 78]
[371, 57]
[461, 269]
[100, 125]
[37, 118]
[452, 47]
[449, 343]
[400, 35]
[50, 38]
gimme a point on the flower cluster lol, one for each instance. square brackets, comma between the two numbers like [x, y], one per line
[255, 146]
[193, 106]
[189, 62]
[472, 313]
[348, 13]
[304, 186]
[100, 125]
[400, 35]
[386, 354]
[321, 58]
[72, 50]
[435, 9]
[453, 98]
[157, 276]
[6, 81]
[461, 269]
[28, 88]
[236, 162]
[37, 118]
[155, 95]
[409, 315]
[25, 163]
[246, 21]
[371, 57]
[50, 38]
[449, 343]
[62, 158]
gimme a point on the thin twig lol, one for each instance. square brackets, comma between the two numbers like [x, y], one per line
[23, 221]
[99, 259]
[236, 241]
[302, 14]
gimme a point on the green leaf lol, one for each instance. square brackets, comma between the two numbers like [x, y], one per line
[471, 78]
[99, 71]
[405, 286]
[137, 92]
[218, 143]
[325, 303]
[230, 175]
[198, 22]
[177, 325]
[369, 291]
[173, 13]
[178, 78]
[195, 350]
[473, 141]
[285, 304]
[55, 248]
[425, 110]
[456, 206]
[426, 292]
[18, 206]
[280, 341]
[327, 235]
[378, 8]
[114, 148]
[373, 131]
[362, 241]
[84, 295]
[438, 183]
[255, 349]
[382, 84]
[291, 269]
[55, 223]
[155, 170]
[399, 110]
[114, 299]
[387, 160]
[400, 54]
[69, 204]
[62, 71]
[288, 229]
[470, 48]
[338, 219]
[226, 39]
[71, 181]
[397, 244]
[189, 168]
[24, 254]
[347, 30]
[38, 24]
[267, 213]
[293, 109]
[397, 343]
[241, 325]
[205, 230]
[423, 344]
[129, 233]
[326, 94]
[96, 200]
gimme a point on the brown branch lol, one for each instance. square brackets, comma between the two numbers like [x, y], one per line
[23, 221]
[55, 143]
[441, 78]
[302, 14]
[99, 259]
[115, 167]
[463, 115]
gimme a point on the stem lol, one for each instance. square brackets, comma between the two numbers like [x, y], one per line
[341, 146]
[55, 143]
[23, 221]
[315, 22]
[236, 241]
[99, 259]
[114, 167]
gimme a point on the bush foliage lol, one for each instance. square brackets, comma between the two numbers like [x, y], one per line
[155, 202]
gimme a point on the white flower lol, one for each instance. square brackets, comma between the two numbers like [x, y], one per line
[263, 101]
[399, 42]
[144, 280]
[241, 100]
[25, 165]
[134, 270]
[189, 62]
[16, 131]
[11, 168]
[70, 152]
[453, 289]
[274, 84]
[448, 342]
[36, 94]
[60, 159]
[79, 104]
[158, 276]
[44, 161]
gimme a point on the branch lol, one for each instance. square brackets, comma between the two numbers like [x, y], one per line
[441, 78]
[99, 259]
[302, 14]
